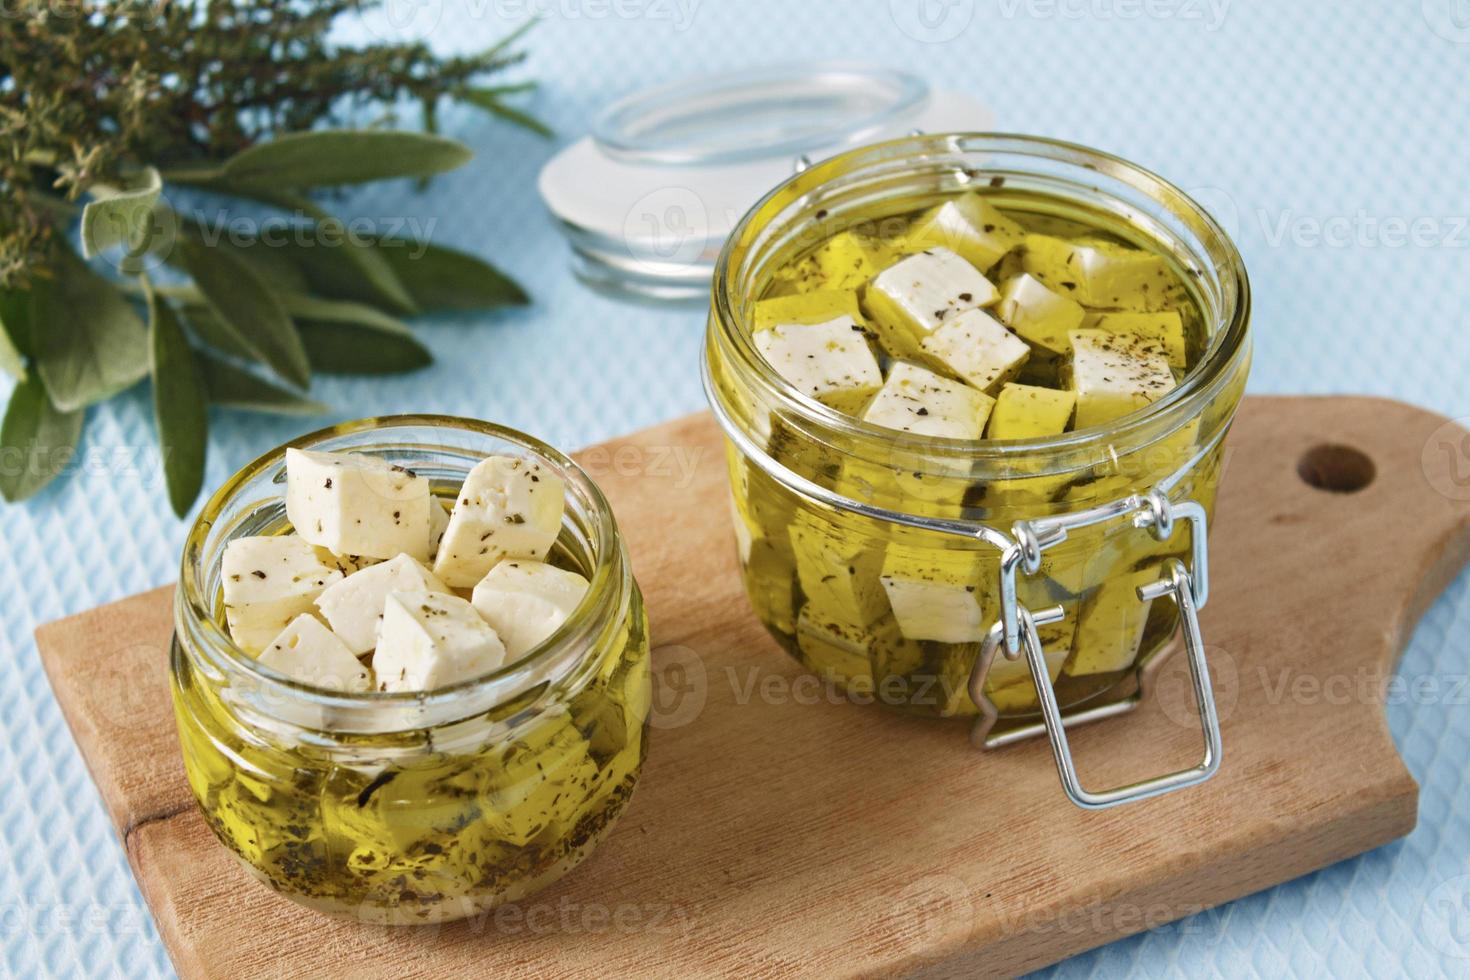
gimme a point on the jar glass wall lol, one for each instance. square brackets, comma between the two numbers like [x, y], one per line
[414, 807]
[814, 571]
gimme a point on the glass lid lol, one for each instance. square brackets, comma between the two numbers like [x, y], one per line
[749, 115]
[646, 199]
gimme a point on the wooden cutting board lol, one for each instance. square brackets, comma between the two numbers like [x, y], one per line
[771, 835]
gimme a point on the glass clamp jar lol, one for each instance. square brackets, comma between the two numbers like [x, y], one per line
[1101, 521]
[414, 807]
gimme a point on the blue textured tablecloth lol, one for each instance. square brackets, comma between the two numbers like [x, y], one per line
[1312, 129]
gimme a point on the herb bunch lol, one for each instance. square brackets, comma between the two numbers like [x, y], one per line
[111, 111]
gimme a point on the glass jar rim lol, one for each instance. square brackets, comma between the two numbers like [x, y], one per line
[1228, 341]
[609, 573]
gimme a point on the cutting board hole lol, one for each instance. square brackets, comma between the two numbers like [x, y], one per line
[1335, 468]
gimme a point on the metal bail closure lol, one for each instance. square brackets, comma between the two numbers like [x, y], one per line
[1189, 593]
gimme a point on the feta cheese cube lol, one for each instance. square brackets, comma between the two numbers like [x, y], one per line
[1038, 314]
[268, 582]
[346, 564]
[1008, 684]
[507, 508]
[830, 361]
[838, 650]
[526, 601]
[919, 401]
[354, 606]
[1097, 272]
[935, 595]
[1110, 626]
[977, 347]
[1030, 412]
[430, 640]
[847, 260]
[353, 504]
[910, 299]
[838, 576]
[1114, 374]
[438, 524]
[1165, 327]
[1056, 647]
[820, 306]
[309, 652]
[970, 226]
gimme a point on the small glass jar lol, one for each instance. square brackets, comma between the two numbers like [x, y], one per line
[404, 808]
[823, 501]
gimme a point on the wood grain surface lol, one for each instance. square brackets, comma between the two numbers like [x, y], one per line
[775, 836]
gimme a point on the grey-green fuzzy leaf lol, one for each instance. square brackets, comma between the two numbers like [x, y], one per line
[89, 341]
[14, 336]
[38, 441]
[356, 348]
[231, 386]
[333, 157]
[242, 299]
[440, 278]
[123, 216]
[180, 406]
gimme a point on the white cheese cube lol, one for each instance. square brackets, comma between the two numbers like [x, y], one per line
[1101, 273]
[268, 582]
[916, 295]
[309, 652]
[1116, 373]
[922, 402]
[507, 508]
[1037, 313]
[829, 361]
[526, 601]
[935, 594]
[838, 575]
[353, 504]
[978, 348]
[354, 606]
[430, 640]
[971, 226]
[438, 524]
[1009, 686]
[1111, 624]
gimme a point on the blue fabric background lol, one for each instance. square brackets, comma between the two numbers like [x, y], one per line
[1282, 117]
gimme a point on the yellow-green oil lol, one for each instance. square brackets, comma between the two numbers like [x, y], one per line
[812, 572]
[429, 825]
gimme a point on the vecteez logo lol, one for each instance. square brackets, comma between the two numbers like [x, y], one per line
[1450, 19]
[1209, 13]
[932, 21]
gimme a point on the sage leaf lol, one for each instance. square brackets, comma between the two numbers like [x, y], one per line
[333, 157]
[440, 278]
[14, 335]
[89, 342]
[347, 266]
[36, 441]
[230, 386]
[180, 408]
[124, 216]
[272, 259]
[211, 330]
[359, 348]
[314, 308]
[241, 298]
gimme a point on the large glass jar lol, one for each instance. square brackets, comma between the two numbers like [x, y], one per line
[405, 808]
[823, 502]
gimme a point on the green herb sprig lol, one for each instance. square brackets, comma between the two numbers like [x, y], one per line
[108, 110]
